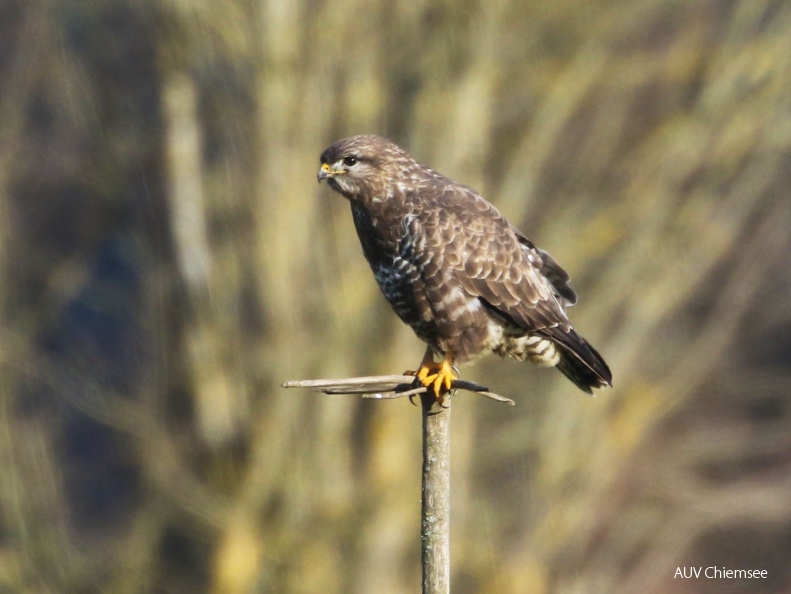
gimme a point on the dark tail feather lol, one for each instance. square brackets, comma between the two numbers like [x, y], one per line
[583, 365]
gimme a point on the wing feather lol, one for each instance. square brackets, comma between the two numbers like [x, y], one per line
[448, 261]
[469, 245]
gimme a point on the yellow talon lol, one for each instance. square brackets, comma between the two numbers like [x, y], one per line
[437, 376]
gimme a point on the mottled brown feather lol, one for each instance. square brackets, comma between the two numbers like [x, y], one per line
[466, 280]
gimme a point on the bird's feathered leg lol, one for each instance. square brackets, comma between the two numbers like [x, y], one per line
[436, 373]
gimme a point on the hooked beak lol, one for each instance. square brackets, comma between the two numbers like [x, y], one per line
[326, 171]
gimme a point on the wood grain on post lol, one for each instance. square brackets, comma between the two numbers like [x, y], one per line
[435, 508]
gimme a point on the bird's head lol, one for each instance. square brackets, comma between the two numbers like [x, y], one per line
[362, 167]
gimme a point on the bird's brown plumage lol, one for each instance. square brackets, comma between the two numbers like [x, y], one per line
[466, 281]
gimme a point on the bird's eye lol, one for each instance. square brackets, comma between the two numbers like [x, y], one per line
[350, 161]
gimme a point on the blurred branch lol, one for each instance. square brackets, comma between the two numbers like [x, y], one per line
[214, 392]
[644, 144]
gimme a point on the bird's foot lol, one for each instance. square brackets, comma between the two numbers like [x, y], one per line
[437, 377]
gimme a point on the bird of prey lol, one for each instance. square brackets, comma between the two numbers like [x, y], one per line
[466, 280]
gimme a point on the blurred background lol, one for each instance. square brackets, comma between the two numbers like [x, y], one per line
[167, 260]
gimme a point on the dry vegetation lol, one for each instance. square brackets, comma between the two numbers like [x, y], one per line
[167, 259]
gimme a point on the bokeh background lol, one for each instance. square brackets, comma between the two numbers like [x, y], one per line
[167, 260]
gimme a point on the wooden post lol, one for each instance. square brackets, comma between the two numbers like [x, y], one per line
[435, 508]
[435, 502]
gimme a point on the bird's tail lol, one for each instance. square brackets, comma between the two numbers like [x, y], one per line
[582, 364]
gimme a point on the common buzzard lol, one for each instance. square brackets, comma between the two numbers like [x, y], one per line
[466, 280]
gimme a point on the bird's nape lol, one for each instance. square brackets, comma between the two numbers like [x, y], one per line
[454, 269]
